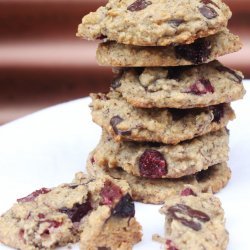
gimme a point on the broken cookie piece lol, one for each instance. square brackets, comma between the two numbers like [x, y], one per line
[194, 220]
[48, 218]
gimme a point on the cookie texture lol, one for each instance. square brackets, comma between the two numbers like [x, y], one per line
[180, 87]
[157, 191]
[152, 160]
[54, 217]
[194, 221]
[169, 126]
[201, 51]
[154, 22]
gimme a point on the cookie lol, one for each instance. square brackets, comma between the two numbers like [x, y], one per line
[152, 160]
[54, 217]
[180, 87]
[201, 51]
[154, 22]
[194, 221]
[157, 191]
[169, 126]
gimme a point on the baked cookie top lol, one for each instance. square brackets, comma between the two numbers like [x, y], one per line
[180, 87]
[194, 220]
[203, 50]
[152, 160]
[155, 22]
[52, 217]
[169, 126]
[157, 191]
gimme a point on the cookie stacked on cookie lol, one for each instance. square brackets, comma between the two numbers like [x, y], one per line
[164, 119]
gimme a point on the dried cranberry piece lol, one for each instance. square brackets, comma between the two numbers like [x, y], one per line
[230, 71]
[41, 216]
[78, 211]
[152, 164]
[115, 120]
[92, 160]
[125, 207]
[175, 22]
[109, 193]
[218, 112]
[178, 209]
[139, 5]
[208, 12]
[21, 234]
[201, 87]
[187, 192]
[197, 52]
[34, 195]
[170, 245]
[53, 223]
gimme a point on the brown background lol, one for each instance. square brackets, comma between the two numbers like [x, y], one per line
[42, 63]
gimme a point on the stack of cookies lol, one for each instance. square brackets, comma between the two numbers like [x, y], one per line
[164, 119]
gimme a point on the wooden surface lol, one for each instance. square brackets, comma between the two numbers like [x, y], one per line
[42, 63]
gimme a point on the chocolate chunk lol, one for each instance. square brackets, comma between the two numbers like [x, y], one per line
[230, 71]
[218, 112]
[176, 72]
[209, 2]
[116, 82]
[197, 52]
[78, 211]
[176, 22]
[203, 175]
[125, 208]
[139, 5]
[174, 212]
[178, 114]
[101, 37]
[115, 120]
[208, 12]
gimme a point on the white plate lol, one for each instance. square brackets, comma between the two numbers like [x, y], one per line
[46, 149]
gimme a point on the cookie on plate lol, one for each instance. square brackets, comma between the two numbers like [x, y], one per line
[194, 221]
[157, 191]
[180, 87]
[49, 218]
[152, 160]
[203, 50]
[169, 126]
[154, 22]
